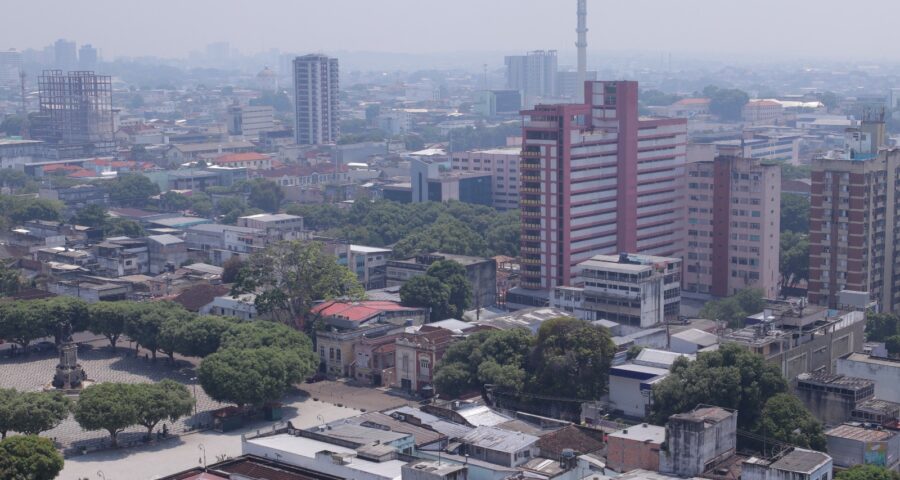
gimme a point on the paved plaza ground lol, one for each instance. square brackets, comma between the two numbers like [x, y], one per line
[307, 406]
[34, 371]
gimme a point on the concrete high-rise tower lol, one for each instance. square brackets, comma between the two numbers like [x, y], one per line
[582, 46]
[316, 100]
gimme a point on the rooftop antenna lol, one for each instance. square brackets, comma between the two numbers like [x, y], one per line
[582, 48]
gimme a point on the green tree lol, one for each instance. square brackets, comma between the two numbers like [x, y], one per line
[8, 399]
[263, 333]
[10, 281]
[21, 324]
[881, 326]
[794, 213]
[794, 261]
[453, 275]
[830, 100]
[892, 344]
[174, 201]
[447, 234]
[424, 291]
[251, 376]
[784, 418]
[867, 472]
[12, 125]
[571, 358]
[92, 215]
[734, 309]
[36, 412]
[156, 402]
[288, 277]
[727, 104]
[199, 336]
[29, 458]
[265, 195]
[201, 204]
[231, 268]
[131, 190]
[489, 357]
[730, 377]
[116, 227]
[108, 406]
[110, 319]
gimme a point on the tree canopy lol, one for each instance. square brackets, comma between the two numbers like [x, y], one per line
[444, 289]
[108, 406]
[568, 358]
[265, 195]
[451, 227]
[786, 419]
[288, 277]
[730, 377]
[29, 458]
[794, 213]
[726, 103]
[253, 376]
[881, 326]
[736, 308]
[867, 472]
[165, 400]
[794, 261]
[131, 190]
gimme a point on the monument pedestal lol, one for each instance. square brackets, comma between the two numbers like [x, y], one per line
[69, 374]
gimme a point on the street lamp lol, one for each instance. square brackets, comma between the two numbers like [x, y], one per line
[202, 460]
[194, 386]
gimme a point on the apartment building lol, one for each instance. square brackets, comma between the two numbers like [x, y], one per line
[733, 224]
[853, 220]
[596, 179]
[635, 290]
[316, 100]
[503, 163]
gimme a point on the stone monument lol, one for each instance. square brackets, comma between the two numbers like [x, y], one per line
[69, 374]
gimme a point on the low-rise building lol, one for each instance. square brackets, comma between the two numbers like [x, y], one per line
[241, 306]
[759, 112]
[636, 447]
[276, 225]
[635, 290]
[697, 440]
[883, 371]
[222, 242]
[793, 464]
[417, 355]
[503, 163]
[853, 444]
[480, 272]
[499, 446]
[879, 412]
[250, 160]
[692, 340]
[122, 256]
[812, 341]
[369, 264]
[165, 253]
[832, 398]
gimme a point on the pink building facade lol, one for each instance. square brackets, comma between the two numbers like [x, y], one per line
[597, 179]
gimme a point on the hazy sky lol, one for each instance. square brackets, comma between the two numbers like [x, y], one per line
[172, 28]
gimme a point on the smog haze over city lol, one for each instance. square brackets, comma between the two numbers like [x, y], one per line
[457, 240]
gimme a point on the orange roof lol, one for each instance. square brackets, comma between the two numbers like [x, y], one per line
[240, 157]
[82, 174]
[358, 311]
[58, 167]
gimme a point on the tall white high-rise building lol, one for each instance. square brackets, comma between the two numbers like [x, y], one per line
[533, 74]
[316, 100]
[10, 64]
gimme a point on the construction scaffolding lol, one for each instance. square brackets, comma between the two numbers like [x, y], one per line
[75, 114]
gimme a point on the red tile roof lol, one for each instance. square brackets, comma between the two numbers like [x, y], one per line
[358, 311]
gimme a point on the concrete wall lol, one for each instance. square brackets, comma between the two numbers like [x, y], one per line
[625, 395]
[831, 408]
[624, 455]
[692, 446]
[884, 373]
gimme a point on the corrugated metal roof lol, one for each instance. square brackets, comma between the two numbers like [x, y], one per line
[498, 439]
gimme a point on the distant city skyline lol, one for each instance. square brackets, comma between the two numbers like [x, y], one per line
[689, 27]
